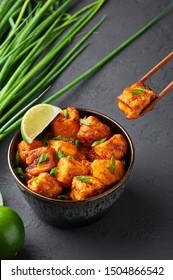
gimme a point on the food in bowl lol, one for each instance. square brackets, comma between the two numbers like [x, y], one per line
[68, 213]
[76, 158]
[134, 99]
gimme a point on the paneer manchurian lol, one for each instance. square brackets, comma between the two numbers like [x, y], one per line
[135, 99]
[77, 159]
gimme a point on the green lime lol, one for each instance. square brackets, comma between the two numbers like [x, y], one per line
[36, 119]
[12, 233]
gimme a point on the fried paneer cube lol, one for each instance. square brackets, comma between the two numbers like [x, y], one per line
[67, 148]
[45, 185]
[24, 148]
[66, 123]
[40, 160]
[102, 170]
[81, 190]
[134, 99]
[92, 131]
[68, 168]
[115, 146]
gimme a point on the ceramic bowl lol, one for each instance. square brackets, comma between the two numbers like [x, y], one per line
[71, 213]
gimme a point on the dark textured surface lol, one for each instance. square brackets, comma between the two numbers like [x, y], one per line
[140, 225]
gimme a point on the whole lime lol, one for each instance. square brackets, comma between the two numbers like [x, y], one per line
[12, 233]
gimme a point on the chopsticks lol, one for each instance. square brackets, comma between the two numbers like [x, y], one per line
[165, 90]
[157, 67]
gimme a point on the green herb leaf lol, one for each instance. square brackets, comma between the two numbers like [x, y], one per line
[63, 197]
[75, 141]
[112, 164]
[42, 158]
[20, 172]
[70, 158]
[17, 158]
[98, 142]
[61, 154]
[54, 171]
[82, 121]
[36, 179]
[46, 142]
[59, 137]
[65, 113]
[138, 91]
[84, 179]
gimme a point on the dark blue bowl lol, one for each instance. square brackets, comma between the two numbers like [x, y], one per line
[74, 213]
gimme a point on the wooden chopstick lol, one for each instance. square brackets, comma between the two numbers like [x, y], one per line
[154, 102]
[157, 67]
[164, 91]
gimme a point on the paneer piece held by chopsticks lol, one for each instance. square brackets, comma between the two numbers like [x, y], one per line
[135, 99]
[138, 99]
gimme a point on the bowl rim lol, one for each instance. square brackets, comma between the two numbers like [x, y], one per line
[94, 198]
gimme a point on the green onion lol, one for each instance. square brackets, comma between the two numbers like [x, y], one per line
[63, 197]
[112, 164]
[20, 172]
[98, 142]
[70, 158]
[54, 171]
[36, 179]
[59, 137]
[84, 179]
[137, 91]
[46, 142]
[65, 113]
[44, 82]
[42, 158]
[61, 154]
[77, 143]
[82, 121]
[17, 158]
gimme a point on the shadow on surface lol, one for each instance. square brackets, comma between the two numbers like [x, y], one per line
[130, 226]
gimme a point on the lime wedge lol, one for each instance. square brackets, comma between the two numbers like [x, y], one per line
[36, 119]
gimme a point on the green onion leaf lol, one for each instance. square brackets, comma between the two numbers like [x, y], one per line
[65, 113]
[20, 172]
[61, 154]
[59, 137]
[17, 158]
[82, 121]
[70, 158]
[36, 179]
[42, 158]
[46, 142]
[138, 91]
[98, 142]
[112, 164]
[63, 197]
[77, 143]
[84, 179]
[54, 171]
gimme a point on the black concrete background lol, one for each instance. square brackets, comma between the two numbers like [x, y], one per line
[140, 225]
